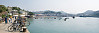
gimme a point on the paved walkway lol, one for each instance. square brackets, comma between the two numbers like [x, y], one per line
[3, 28]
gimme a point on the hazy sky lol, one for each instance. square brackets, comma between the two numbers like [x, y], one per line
[69, 6]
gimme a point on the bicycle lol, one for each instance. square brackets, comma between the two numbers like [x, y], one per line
[17, 26]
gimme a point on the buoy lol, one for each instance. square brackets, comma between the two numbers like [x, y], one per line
[54, 18]
[65, 19]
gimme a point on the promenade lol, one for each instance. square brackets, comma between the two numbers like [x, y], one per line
[3, 28]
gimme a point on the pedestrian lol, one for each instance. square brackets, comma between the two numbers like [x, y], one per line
[9, 20]
[5, 20]
[15, 17]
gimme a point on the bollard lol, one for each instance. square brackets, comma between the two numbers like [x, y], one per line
[24, 29]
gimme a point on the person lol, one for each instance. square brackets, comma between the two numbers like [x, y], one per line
[9, 20]
[15, 17]
[5, 20]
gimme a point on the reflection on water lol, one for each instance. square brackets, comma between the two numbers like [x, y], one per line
[58, 25]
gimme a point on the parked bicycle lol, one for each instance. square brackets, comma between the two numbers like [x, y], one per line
[15, 27]
[18, 24]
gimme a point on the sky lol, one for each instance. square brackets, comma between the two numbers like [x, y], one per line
[68, 6]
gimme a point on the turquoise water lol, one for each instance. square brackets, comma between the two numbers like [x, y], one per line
[77, 25]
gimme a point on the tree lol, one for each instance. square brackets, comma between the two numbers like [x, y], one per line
[3, 16]
[16, 8]
[59, 13]
[2, 8]
[30, 13]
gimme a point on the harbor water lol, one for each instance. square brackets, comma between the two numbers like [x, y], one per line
[58, 25]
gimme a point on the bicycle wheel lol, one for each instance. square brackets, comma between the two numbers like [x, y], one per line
[20, 29]
[27, 23]
[10, 28]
